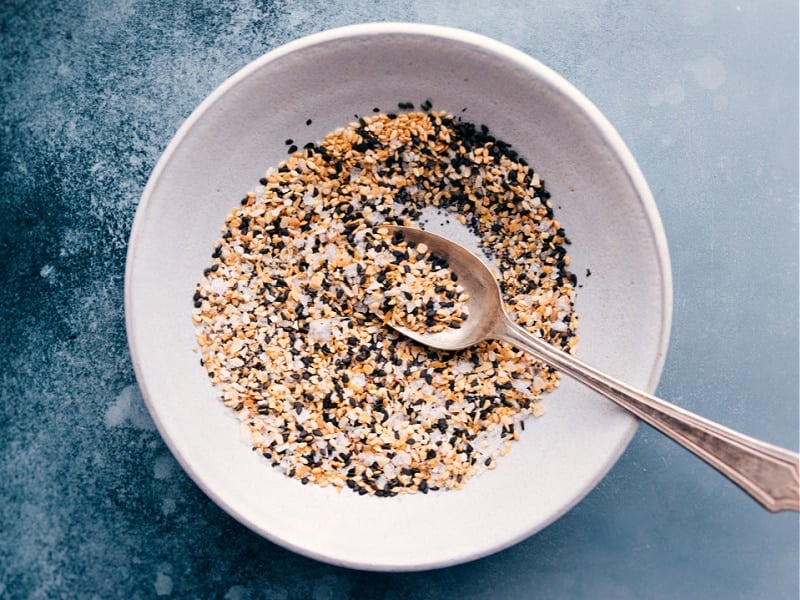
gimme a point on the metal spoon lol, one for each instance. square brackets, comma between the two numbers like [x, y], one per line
[768, 473]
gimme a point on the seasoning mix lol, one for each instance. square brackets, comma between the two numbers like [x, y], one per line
[291, 314]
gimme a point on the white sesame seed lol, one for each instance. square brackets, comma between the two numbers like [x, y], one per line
[291, 315]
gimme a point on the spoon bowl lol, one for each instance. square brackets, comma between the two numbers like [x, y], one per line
[771, 475]
[485, 304]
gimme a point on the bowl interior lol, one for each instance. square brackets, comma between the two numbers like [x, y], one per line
[601, 200]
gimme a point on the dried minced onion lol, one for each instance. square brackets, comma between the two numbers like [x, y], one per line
[291, 314]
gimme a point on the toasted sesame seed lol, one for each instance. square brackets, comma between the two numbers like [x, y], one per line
[292, 314]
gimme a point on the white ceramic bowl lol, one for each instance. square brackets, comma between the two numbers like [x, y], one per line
[602, 201]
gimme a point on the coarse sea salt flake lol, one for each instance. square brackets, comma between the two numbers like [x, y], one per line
[331, 252]
[463, 366]
[521, 385]
[401, 459]
[219, 286]
[320, 330]
[351, 271]
[356, 384]
[375, 219]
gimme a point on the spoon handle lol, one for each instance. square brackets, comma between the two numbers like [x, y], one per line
[768, 473]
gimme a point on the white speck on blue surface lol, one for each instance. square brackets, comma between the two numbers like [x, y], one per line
[674, 93]
[47, 273]
[168, 506]
[237, 592]
[129, 410]
[709, 72]
[163, 582]
[164, 466]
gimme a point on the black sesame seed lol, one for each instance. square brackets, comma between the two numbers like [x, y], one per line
[334, 361]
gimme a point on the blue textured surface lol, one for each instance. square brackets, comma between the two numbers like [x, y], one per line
[91, 502]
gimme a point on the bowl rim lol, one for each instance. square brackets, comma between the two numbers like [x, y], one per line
[603, 127]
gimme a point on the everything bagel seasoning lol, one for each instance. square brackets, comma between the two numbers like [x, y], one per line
[416, 289]
[291, 314]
